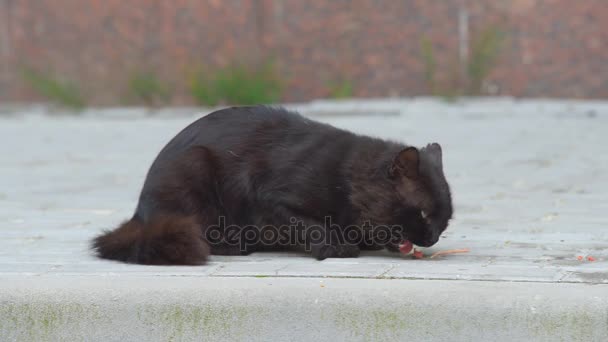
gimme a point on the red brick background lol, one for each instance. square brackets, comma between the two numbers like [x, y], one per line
[554, 48]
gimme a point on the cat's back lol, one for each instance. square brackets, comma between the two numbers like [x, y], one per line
[233, 128]
[237, 129]
[253, 118]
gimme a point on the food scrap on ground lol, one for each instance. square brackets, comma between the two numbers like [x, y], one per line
[449, 251]
[588, 258]
[406, 247]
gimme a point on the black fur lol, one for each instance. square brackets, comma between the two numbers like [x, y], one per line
[263, 166]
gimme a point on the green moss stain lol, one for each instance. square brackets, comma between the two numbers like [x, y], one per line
[394, 324]
[378, 324]
[216, 320]
[202, 320]
[576, 325]
[41, 321]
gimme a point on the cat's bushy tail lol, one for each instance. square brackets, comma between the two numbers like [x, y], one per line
[167, 240]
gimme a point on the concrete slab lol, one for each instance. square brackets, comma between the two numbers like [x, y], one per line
[529, 181]
[156, 308]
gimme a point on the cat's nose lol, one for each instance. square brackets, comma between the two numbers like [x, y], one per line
[427, 242]
[430, 238]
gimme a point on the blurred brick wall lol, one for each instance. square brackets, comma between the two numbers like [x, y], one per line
[555, 48]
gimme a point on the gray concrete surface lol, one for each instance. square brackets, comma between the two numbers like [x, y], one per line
[531, 195]
[135, 308]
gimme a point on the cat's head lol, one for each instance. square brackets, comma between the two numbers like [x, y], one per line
[424, 199]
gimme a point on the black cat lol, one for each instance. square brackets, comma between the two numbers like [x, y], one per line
[227, 180]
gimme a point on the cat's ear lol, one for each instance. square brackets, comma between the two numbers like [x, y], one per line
[406, 163]
[434, 151]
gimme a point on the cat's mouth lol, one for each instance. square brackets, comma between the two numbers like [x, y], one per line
[406, 247]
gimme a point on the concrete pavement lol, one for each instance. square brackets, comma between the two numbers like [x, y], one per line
[531, 196]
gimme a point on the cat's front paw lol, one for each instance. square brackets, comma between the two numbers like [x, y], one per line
[335, 251]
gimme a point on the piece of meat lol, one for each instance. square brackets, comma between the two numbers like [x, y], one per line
[406, 247]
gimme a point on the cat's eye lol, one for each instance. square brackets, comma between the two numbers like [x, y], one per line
[425, 217]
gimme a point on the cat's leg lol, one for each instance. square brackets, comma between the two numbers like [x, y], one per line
[321, 239]
[295, 231]
[324, 251]
[223, 235]
[220, 232]
[368, 241]
[336, 241]
[378, 237]
[226, 239]
[191, 186]
[370, 247]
